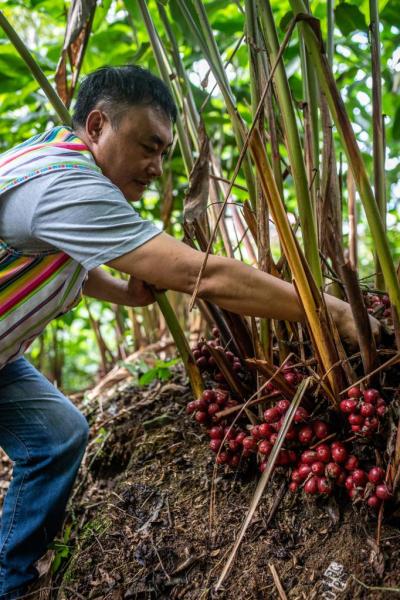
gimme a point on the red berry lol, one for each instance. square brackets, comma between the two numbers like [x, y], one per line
[354, 392]
[249, 443]
[240, 437]
[201, 404]
[273, 438]
[356, 428]
[300, 415]
[221, 396]
[201, 362]
[200, 416]
[290, 377]
[292, 456]
[376, 475]
[236, 366]
[374, 502]
[283, 458]
[265, 447]
[339, 453]
[367, 410]
[233, 445]
[191, 407]
[311, 486]
[372, 424]
[324, 486]
[271, 415]
[262, 466]
[381, 411]
[318, 468]
[291, 434]
[293, 486]
[219, 377]
[229, 355]
[222, 458]
[351, 463]
[323, 452]
[380, 402]
[371, 395]
[304, 470]
[383, 492]
[356, 419]
[282, 406]
[234, 460]
[255, 431]
[321, 429]
[349, 483]
[215, 444]
[208, 396]
[359, 477]
[265, 429]
[308, 457]
[305, 435]
[230, 432]
[213, 408]
[333, 470]
[348, 405]
[215, 332]
[216, 433]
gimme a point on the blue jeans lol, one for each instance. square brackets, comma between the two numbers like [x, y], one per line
[45, 436]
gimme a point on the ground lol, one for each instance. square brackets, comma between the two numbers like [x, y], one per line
[152, 518]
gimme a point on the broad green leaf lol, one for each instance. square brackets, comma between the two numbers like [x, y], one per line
[349, 18]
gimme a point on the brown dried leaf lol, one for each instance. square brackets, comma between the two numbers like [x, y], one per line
[196, 198]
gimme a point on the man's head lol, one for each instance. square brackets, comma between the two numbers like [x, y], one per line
[125, 116]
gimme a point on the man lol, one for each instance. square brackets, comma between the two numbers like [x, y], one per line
[64, 213]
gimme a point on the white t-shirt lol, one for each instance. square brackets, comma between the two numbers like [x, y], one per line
[80, 213]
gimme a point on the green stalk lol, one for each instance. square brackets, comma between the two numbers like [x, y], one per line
[293, 144]
[331, 25]
[210, 50]
[162, 300]
[378, 126]
[342, 122]
[263, 246]
[36, 71]
[181, 342]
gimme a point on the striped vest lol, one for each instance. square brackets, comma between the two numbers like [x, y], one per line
[37, 287]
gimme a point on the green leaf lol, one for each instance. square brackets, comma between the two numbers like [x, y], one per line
[349, 18]
[284, 22]
[396, 125]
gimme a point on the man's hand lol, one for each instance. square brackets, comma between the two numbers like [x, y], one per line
[103, 286]
[138, 293]
[343, 317]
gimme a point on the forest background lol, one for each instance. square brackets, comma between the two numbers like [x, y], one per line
[74, 349]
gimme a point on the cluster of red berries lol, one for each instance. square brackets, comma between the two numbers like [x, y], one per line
[364, 410]
[292, 376]
[209, 404]
[206, 362]
[369, 487]
[321, 469]
[378, 305]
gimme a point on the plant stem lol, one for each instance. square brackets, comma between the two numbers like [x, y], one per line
[378, 126]
[342, 122]
[293, 144]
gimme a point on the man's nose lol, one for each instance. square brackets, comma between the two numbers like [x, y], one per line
[155, 167]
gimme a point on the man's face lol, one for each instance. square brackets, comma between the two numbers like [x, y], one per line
[131, 154]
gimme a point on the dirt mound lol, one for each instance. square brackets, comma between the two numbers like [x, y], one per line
[144, 525]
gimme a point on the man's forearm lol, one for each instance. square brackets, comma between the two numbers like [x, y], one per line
[103, 286]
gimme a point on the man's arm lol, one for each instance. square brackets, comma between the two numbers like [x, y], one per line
[103, 286]
[168, 263]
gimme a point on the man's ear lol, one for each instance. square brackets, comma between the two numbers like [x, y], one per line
[95, 122]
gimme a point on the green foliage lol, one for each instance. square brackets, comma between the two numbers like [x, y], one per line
[161, 370]
[118, 38]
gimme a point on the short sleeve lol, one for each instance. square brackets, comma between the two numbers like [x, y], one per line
[86, 216]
